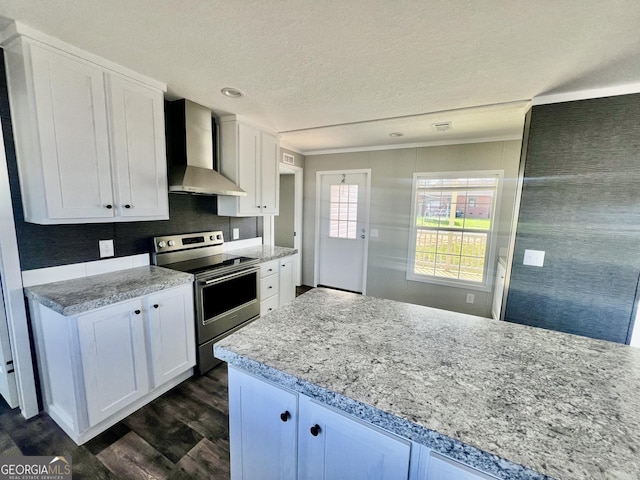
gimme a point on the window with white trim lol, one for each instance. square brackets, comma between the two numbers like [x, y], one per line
[343, 214]
[453, 221]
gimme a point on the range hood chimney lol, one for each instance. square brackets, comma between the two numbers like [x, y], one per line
[190, 151]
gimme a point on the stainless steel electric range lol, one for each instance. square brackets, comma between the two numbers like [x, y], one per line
[226, 288]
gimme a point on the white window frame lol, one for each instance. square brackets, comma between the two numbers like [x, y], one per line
[490, 256]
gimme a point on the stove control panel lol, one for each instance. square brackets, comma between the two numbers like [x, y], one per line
[173, 243]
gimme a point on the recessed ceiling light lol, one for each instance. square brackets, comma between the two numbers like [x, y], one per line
[396, 134]
[232, 92]
[442, 126]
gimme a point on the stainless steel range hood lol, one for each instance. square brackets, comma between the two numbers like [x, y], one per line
[190, 152]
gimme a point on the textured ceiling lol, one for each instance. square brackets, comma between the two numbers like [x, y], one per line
[306, 64]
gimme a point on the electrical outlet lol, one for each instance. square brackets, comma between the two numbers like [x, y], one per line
[106, 248]
[236, 233]
[471, 298]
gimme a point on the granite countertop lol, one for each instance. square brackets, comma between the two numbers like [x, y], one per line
[72, 297]
[264, 253]
[515, 401]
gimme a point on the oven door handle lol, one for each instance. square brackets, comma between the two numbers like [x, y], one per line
[228, 277]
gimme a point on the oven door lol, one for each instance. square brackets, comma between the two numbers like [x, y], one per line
[223, 303]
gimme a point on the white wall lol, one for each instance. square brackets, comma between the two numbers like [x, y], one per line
[391, 182]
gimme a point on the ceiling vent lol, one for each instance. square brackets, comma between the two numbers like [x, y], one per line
[442, 126]
[288, 159]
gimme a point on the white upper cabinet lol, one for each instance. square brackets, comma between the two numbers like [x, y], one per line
[138, 149]
[89, 138]
[249, 158]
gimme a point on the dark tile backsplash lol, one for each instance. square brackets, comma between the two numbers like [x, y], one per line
[51, 245]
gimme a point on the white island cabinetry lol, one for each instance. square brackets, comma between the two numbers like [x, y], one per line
[279, 434]
[276, 433]
[89, 135]
[99, 366]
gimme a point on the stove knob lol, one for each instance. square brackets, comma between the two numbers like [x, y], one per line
[212, 237]
[162, 244]
[219, 236]
[171, 243]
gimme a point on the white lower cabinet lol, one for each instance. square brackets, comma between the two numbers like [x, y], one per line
[333, 446]
[113, 360]
[276, 433]
[277, 283]
[287, 279]
[262, 429]
[98, 367]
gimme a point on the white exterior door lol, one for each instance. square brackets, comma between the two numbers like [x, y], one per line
[342, 229]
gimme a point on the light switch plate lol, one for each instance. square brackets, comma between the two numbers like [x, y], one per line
[534, 258]
[106, 248]
[471, 298]
[236, 233]
[375, 233]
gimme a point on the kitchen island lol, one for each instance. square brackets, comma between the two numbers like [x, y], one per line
[511, 401]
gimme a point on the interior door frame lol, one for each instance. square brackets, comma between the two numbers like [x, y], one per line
[14, 297]
[316, 256]
[298, 181]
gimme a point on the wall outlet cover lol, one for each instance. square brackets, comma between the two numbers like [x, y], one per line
[534, 258]
[236, 233]
[471, 298]
[106, 248]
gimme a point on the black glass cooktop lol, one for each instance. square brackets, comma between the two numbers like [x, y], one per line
[211, 263]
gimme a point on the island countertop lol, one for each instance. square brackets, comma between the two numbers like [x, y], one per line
[515, 401]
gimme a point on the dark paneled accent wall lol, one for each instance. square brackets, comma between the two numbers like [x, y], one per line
[581, 205]
[51, 245]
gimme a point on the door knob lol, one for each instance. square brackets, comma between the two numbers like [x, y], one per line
[284, 416]
[361, 236]
[315, 430]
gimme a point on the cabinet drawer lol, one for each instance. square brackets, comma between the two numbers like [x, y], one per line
[268, 268]
[269, 305]
[269, 286]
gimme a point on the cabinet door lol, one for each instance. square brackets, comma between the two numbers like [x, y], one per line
[334, 446]
[112, 347]
[270, 174]
[287, 282]
[136, 113]
[262, 429]
[171, 331]
[74, 142]
[443, 468]
[248, 169]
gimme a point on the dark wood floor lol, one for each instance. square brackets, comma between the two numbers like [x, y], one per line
[183, 434]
